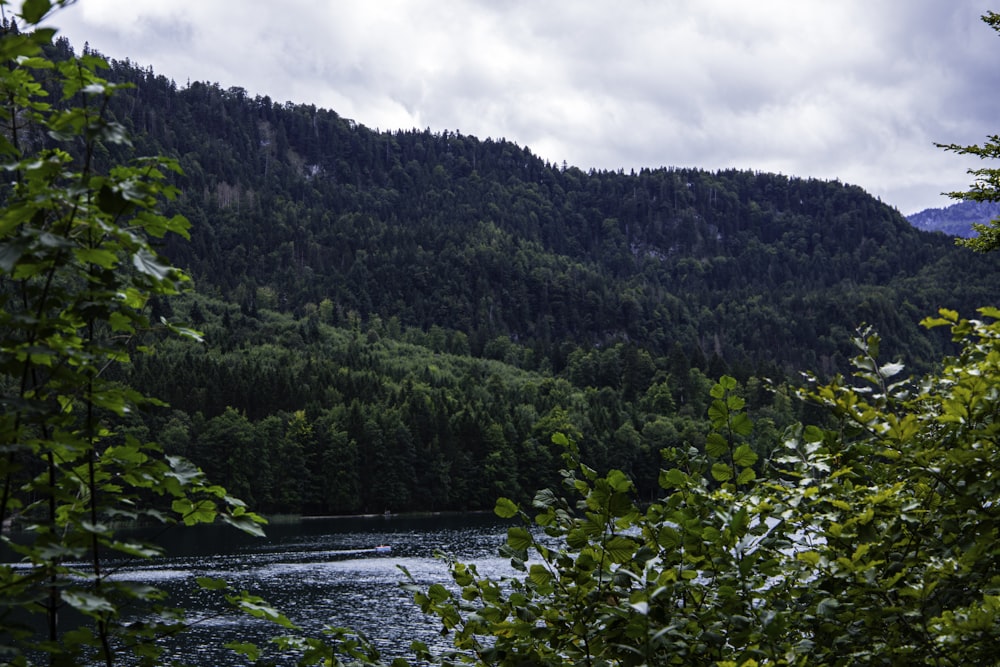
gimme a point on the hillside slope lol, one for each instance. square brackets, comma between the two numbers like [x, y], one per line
[296, 208]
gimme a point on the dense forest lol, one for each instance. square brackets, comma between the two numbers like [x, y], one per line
[401, 320]
[292, 205]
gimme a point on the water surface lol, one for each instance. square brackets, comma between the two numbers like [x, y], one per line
[318, 572]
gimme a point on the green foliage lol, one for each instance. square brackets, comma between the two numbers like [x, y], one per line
[610, 582]
[729, 427]
[871, 542]
[336, 421]
[77, 269]
[902, 509]
[79, 272]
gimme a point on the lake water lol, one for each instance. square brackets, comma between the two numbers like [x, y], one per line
[318, 572]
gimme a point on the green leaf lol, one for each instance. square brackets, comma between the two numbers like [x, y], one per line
[931, 322]
[182, 475]
[620, 549]
[140, 591]
[577, 538]
[251, 651]
[247, 522]
[619, 481]
[100, 256]
[505, 508]
[727, 592]
[120, 322]
[212, 584]
[620, 505]
[195, 512]
[728, 382]
[519, 538]
[718, 414]
[746, 476]
[810, 557]
[33, 11]
[112, 202]
[813, 434]
[827, 607]
[137, 549]
[740, 520]
[256, 606]
[539, 575]
[668, 537]
[88, 603]
[147, 263]
[989, 311]
[437, 593]
[721, 472]
[716, 445]
[744, 456]
[673, 479]
[741, 424]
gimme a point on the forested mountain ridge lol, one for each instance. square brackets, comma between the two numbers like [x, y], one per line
[292, 206]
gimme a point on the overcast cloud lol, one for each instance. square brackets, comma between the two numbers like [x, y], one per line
[857, 90]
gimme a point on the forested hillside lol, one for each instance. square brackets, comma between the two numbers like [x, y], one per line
[400, 320]
[296, 415]
[292, 205]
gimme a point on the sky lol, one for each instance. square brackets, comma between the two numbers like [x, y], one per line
[854, 90]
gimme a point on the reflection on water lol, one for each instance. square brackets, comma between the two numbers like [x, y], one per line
[318, 572]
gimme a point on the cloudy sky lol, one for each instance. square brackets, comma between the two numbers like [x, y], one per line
[857, 90]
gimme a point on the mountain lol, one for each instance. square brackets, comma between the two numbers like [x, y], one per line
[957, 219]
[295, 207]
[403, 319]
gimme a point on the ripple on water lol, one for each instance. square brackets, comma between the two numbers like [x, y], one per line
[319, 573]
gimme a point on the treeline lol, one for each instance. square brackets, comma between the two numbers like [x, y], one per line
[293, 415]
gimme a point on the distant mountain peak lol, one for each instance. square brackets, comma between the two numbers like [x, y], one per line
[957, 219]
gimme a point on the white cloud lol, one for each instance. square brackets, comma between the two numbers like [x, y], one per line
[853, 90]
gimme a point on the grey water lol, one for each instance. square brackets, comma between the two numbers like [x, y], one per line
[317, 572]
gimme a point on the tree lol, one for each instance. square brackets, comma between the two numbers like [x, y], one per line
[77, 270]
[903, 556]
[986, 184]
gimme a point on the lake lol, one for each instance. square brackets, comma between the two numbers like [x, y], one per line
[318, 572]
